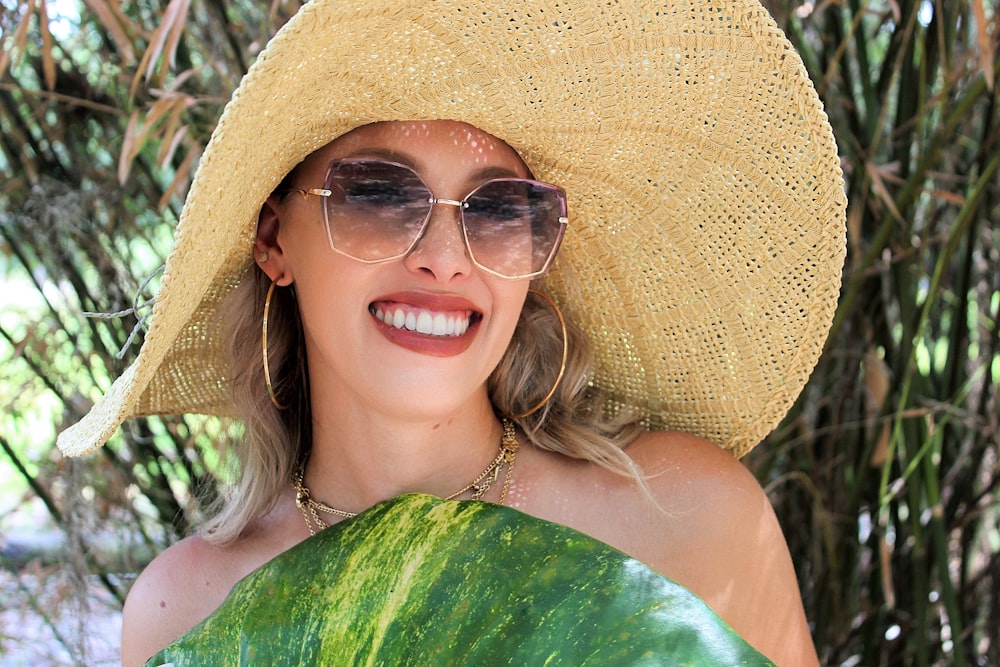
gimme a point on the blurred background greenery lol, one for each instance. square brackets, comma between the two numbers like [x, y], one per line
[884, 475]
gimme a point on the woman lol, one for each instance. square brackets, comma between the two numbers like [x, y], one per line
[369, 207]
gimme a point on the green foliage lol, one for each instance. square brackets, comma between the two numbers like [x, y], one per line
[884, 476]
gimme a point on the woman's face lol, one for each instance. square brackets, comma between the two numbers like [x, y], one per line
[419, 334]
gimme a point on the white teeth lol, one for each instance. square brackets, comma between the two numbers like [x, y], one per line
[424, 321]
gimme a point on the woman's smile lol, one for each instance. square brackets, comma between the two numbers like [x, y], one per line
[432, 324]
[422, 320]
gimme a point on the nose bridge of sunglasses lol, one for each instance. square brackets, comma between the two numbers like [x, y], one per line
[447, 202]
[443, 224]
[449, 208]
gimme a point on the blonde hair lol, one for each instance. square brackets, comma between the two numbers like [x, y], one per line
[273, 440]
[573, 422]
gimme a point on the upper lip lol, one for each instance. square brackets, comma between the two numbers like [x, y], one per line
[429, 301]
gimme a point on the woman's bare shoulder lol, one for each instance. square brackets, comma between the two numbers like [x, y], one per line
[190, 579]
[694, 479]
[703, 521]
[716, 533]
[702, 492]
[698, 499]
[177, 590]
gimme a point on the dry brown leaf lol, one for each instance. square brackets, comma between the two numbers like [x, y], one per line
[158, 110]
[176, 82]
[876, 374]
[170, 132]
[897, 13]
[146, 55]
[986, 48]
[174, 37]
[881, 452]
[168, 148]
[944, 195]
[128, 143]
[20, 39]
[180, 177]
[137, 134]
[165, 39]
[152, 52]
[876, 378]
[877, 175]
[158, 41]
[116, 23]
[48, 62]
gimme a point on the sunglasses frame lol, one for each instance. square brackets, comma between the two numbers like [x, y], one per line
[432, 200]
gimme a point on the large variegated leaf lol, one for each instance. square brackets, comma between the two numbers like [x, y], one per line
[421, 581]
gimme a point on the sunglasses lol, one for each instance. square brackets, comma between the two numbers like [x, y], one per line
[377, 211]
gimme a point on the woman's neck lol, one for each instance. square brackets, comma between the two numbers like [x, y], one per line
[360, 458]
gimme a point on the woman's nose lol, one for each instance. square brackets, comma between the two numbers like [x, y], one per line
[441, 250]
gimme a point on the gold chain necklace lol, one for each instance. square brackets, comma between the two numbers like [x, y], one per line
[477, 488]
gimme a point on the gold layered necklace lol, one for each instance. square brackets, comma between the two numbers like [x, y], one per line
[476, 489]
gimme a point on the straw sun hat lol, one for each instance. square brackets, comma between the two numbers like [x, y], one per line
[706, 234]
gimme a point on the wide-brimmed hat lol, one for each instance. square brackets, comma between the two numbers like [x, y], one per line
[707, 214]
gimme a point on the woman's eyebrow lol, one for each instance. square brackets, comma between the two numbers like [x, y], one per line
[486, 173]
[478, 176]
[385, 154]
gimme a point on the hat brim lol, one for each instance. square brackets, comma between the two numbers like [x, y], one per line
[706, 198]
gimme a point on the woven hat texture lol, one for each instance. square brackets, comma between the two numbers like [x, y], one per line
[706, 204]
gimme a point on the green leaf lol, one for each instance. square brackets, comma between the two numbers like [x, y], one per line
[422, 581]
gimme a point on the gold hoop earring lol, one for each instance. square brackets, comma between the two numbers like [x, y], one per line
[263, 347]
[565, 356]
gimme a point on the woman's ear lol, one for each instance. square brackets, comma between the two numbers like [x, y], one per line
[267, 250]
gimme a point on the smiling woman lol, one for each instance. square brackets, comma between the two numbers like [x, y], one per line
[357, 276]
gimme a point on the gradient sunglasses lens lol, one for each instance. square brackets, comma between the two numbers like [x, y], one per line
[514, 226]
[376, 210]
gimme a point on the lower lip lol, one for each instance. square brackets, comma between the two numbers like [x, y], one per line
[435, 346]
